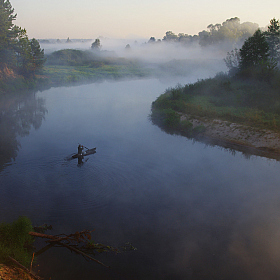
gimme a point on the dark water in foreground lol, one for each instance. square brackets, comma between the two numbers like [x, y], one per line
[192, 211]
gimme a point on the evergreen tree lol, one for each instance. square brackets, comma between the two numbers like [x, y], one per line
[23, 53]
[37, 53]
[273, 38]
[16, 50]
[7, 30]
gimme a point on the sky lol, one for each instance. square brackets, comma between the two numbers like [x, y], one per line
[89, 19]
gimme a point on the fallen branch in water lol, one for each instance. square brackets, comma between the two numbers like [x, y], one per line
[80, 243]
[71, 248]
[76, 238]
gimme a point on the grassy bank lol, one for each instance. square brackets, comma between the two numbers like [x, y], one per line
[63, 75]
[75, 66]
[253, 103]
[67, 67]
[15, 241]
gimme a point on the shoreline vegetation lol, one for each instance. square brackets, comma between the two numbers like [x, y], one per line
[226, 111]
[18, 254]
[239, 109]
[67, 71]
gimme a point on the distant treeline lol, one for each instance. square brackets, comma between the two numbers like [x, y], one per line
[230, 31]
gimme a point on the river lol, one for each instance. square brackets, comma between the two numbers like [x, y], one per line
[192, 211]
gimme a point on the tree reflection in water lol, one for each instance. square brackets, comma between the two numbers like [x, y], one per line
[18, 114]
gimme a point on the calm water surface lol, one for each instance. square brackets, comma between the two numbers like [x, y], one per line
[192, 211]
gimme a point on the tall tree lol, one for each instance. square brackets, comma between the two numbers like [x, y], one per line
[37, 54]
[96, 45]
[232, 61]
[254, 52]
[7, 30]
[16, 50]
[273, 38]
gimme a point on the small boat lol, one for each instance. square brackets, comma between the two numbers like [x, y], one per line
[86, 153]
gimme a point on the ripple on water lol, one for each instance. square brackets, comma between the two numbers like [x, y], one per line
[57, 185]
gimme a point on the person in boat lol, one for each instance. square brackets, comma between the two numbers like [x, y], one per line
[80, 150]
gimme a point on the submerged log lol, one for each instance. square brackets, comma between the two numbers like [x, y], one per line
[78, 236]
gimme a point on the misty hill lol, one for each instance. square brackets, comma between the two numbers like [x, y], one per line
[77, 66]
[70, 57]
[73, 57]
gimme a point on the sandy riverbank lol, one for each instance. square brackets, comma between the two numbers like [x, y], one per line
[261, 140]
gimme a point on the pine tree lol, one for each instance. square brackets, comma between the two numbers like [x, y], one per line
[8, 32]
[16, 50]
[273, 38]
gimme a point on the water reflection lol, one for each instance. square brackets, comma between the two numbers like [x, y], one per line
[192, 212]
[18, 114]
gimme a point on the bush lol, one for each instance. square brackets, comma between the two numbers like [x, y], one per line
[14, 240]
[171, 118]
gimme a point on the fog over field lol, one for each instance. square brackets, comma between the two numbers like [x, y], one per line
[181, 53]
[173, 58]
[141, 49]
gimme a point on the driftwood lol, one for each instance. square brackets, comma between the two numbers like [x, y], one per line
[83, 254]
[76, 238]
[32, 274]
[47, 236]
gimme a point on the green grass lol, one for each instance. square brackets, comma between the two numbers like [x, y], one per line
[61, 74]
[14, 241]
[68, 66]
[72, 66]
[248, 102]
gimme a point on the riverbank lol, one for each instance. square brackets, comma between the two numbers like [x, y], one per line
[236, 137]
[224, 111]
[263, 139]
[13, 273]
[55, 76]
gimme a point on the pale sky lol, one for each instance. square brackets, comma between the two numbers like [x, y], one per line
[85, 19]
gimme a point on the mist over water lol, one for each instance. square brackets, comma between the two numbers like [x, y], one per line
[192, 211]
[142, 50]
[166, 60]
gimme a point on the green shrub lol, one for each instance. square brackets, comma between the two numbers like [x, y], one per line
[199, 129]
[14, 240]
[171, 118]
[186, 127]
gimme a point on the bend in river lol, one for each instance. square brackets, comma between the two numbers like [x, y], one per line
[192, 211]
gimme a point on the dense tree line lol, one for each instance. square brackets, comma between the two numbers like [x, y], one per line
[231, 31]
[17, 51]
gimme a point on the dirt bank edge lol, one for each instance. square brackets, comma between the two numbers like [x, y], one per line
[261, 139]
